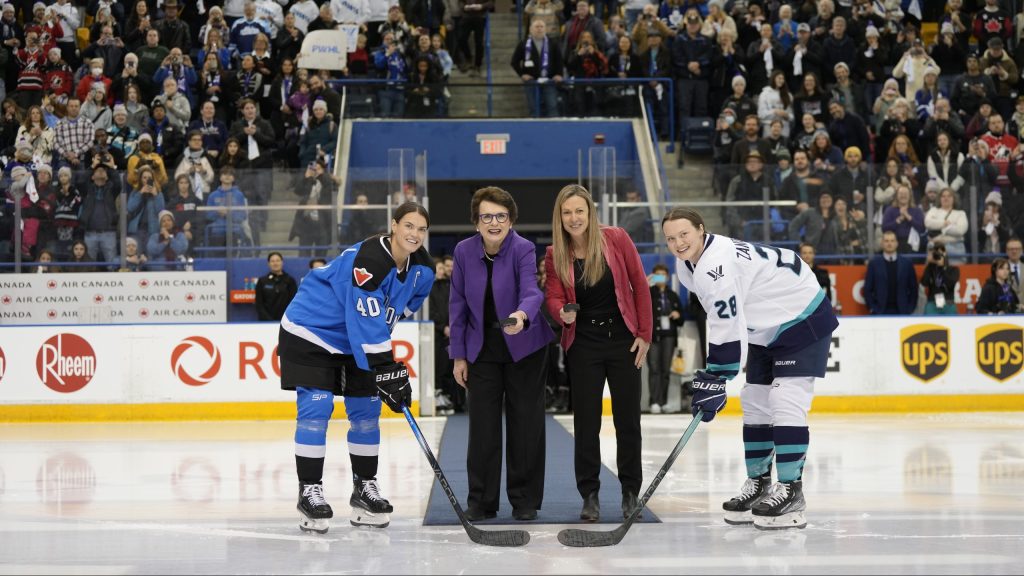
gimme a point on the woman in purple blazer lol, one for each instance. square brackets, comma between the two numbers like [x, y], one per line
[499, 344]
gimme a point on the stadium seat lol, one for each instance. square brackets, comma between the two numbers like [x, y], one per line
[698, 135]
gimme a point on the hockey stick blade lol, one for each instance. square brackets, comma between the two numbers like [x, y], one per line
[577, 538]
[506, 538]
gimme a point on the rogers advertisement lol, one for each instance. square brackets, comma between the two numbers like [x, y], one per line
[848, 286]
[114, 298]
[146, 364]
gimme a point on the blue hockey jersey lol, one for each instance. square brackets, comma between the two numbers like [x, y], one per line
[351, 305]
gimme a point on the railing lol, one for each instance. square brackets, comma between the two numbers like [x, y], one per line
[487, 57]
[773, 214]
[520, 6]
[605, 88]
[655, 144]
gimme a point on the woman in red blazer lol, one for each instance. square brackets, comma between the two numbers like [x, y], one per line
[607, 331]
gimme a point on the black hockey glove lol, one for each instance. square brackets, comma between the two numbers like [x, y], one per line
[708, 394]
[393, 385]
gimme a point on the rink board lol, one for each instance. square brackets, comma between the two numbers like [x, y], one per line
[230, 371]
[139, 372]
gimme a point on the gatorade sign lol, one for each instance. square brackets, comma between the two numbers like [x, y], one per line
[1000, 350]
[65, 363]
[924, 350]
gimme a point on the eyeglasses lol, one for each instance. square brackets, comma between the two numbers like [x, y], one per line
[500, 217]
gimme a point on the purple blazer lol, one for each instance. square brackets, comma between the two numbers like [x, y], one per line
[514, 283]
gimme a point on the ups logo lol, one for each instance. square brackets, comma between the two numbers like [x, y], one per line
[1000, 350]
[924, 349]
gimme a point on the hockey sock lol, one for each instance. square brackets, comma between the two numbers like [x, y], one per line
[315, 407]
[790, 451]
[758, 446]
[363, 434]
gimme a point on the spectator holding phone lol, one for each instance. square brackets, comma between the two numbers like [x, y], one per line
[939, 281]
[312, 226]
[168, 244]
[196, 165]
[144, 205]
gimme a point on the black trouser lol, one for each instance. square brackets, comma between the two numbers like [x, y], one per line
[518, 387]
[26, 98]
[591, 361]
[443, 367]
[659, 364]
[474, 26]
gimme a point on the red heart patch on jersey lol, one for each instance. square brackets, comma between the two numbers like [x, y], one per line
[362, 276]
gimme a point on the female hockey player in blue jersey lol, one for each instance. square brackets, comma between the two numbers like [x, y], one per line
[335, 338]
[766, 301]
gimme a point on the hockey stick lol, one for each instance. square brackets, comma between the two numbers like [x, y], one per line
[487, 538]
[589, 539]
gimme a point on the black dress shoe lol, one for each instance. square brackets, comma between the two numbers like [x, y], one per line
[629, 502]
[591, 508]
[524, 514]
[474, 514]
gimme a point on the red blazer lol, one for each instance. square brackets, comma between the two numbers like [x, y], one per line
[631, 288]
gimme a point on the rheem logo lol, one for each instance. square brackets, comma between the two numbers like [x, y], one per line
[1000, 350]
[925, 350]
[66, 363]
[195, 351]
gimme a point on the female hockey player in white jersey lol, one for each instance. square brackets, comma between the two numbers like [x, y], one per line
[765, 301]
[335, 338]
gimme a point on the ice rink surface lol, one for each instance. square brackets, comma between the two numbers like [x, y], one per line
[901, 494]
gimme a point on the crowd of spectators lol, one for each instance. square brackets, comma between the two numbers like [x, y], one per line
[133, 109]
[864, 117]
[869, 116]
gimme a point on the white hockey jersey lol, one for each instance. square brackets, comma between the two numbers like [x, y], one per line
[755, 294]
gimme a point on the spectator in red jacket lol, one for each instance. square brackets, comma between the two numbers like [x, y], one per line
[30, 62]
[992, 22]
[95, 76]
[57, 77]
[1000, 147]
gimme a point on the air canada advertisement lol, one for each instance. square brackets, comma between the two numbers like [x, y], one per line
[108, 298]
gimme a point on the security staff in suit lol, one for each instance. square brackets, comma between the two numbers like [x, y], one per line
[891, 283]
[1014, 250]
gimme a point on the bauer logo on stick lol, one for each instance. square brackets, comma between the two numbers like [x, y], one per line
[924, 349]
[1000, 350]
[361, 275]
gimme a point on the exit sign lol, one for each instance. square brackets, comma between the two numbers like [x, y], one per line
[491, 144]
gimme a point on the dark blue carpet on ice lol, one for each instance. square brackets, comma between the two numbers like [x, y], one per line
[562, 501]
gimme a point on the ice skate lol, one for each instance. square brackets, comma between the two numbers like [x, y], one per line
[369, 508]
[737, 510]
[314, 511]
[783, 508]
